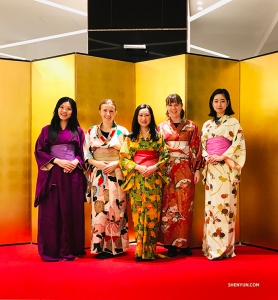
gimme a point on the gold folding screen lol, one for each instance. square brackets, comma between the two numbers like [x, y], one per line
[98, 79]
[205, 75]
[89, 80]
[156, 79]
[259, 114]
[15, 188]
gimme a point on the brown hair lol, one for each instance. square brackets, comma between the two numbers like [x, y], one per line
[174, 98]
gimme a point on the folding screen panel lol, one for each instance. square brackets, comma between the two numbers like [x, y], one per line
[259, 112]
[52, 79]
[204, 75]
[98, 79]
[15, 185]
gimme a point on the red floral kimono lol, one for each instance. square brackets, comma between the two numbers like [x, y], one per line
[184, 145]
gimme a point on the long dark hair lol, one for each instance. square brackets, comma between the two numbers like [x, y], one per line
[229, 111]
[73, 123]
[175, 98]
[136, 127]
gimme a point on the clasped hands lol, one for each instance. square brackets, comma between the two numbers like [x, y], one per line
[67, 165]
[146, 171]
[215, 159]
[107, 167]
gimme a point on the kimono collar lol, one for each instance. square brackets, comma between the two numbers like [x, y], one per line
[221, 120]
[111, 133]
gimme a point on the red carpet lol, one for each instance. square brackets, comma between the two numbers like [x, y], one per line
[25, 276]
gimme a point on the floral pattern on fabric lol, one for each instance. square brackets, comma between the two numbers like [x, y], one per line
[145, 193]
[221, 185]
[177, 207]
[109, 218]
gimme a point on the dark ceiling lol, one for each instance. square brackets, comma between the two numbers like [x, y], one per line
[159, 24]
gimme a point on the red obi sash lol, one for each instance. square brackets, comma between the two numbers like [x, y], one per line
[145, 157]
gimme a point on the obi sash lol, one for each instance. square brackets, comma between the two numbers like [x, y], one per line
[182, 145]
[63, 151]
[106, 154]
[218, 145]
[145, 157]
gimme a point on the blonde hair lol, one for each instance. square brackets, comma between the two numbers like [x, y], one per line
[107, 101]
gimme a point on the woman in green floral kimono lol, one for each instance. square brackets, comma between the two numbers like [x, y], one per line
[142, 157]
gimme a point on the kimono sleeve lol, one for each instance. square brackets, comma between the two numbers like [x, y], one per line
[126, 157]
[236, 154]
[195, 149]
[79, 152]
[42, 151]
[163, 153]
[86, 145]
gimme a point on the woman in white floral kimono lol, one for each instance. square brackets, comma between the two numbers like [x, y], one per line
[109, 219]
[224, 155]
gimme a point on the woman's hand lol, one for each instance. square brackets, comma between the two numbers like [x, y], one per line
[196, 176]
[97, 163]
[67, 165]
[110, 167]
[215, 159]
[149, 171]
[141, 168]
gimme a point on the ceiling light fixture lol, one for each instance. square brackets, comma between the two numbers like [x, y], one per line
[208, 10]
[12, 56]
[76, 11]
[51, 37]
[200, 8]
[200, 2]
[209, 51]
[138, 47]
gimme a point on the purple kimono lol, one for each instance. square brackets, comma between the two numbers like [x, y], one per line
[60, 196]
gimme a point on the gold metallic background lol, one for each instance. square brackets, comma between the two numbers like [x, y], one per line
[31, 90]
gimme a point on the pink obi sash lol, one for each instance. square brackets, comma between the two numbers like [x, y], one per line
[218, 145]
[145, 157]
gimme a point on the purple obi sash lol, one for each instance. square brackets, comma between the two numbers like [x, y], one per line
[63, 151]
[218, 145]
[145, 157]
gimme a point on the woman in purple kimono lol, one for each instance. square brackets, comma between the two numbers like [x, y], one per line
[60, 191]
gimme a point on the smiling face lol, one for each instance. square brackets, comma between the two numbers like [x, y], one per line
[144, 118]
[219, 104]
[174, 111]
[107, 113]
[65, 111]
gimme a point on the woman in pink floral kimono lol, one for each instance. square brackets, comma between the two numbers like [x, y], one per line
[109, 219]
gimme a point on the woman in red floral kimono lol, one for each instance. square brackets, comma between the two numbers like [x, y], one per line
[183, 140]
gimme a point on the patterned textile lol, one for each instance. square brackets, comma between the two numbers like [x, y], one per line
[109, 218]
[145, 193]
[177, 208]
[221, 185]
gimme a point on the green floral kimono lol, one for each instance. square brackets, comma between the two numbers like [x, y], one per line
[145, 193]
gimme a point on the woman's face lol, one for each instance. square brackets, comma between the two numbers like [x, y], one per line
[108, 113]
[65, 111]
[219, 104]
[144, 117]
[174, 110]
